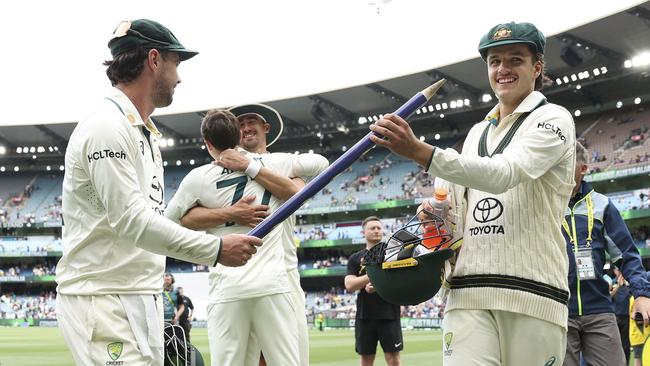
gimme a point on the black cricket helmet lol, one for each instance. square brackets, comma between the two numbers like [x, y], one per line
[408, 268]
[178, 351]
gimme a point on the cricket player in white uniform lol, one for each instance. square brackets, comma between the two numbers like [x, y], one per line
[257, 121]
[509, 283]
[254, 299]
[115, 238]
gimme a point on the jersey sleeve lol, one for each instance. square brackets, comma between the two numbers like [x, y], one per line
[307, 165]
[127, 211]
[185, 197]
[528, 157]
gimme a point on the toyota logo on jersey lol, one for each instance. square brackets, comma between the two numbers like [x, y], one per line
[487, 209]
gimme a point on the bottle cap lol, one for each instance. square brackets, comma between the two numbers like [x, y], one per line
[440, 194]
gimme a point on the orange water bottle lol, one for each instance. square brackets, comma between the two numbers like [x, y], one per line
[436, 233]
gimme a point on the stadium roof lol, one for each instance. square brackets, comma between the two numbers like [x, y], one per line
[594, 54]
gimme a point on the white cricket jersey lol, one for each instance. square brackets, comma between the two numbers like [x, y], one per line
[114, 237]
[213, 186]
[520, 177]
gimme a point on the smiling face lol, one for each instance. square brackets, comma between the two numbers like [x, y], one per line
[512, 70]
[253, 133]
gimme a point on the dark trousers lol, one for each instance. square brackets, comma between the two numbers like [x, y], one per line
[186, 327]
[623, 322]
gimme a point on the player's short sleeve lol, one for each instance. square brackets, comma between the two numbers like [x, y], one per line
[186, 196]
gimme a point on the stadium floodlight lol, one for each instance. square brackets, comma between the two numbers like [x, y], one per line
[574, 77]
[627, 64]
[311, 151]
[578, 86]
[178, 163]
[452, 105]
[488, 97]
[162, 143]
[165, 163]
[40, 149]
[438, 107]
[170, 142]
[2, 169]
[577, 113]
[34, 157]
[48, 168]
[50, 148]
[192, 162]
[436, 136]
[558, 81]
[344, 148]
[202, 147]
[363, 120]
[641, 59]
[3, 150]
[565, 79]
[16, 169]
[442, 115]
[444, 105]
[56, 148]
[430, 108]
[466, 102]
[603, 70]
[637, 100]
[422, 138]
[19, 150]
[32, 149]
[61, 168]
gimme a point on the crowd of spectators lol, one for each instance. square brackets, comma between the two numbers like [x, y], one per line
[27, 307]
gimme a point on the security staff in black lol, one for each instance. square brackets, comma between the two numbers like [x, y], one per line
[376, 319]
[185, 319]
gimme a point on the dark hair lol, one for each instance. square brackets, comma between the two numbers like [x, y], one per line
[368, 219]
[221, 129]
[537, 56]
[127, 66]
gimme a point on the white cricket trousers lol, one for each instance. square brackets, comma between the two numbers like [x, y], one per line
[270, 318]
[98, 331]
[298, 297]
[500, 338]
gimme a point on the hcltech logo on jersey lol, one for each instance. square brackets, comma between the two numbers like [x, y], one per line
[106, 154]
[552, 128]
[486, 210]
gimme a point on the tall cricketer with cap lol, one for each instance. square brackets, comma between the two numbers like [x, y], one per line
[509, 286]
[115, 238]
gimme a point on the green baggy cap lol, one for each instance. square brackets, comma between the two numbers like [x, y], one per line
[510, 33]
[145, 33]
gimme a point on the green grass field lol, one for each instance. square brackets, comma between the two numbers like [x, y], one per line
[44, 346]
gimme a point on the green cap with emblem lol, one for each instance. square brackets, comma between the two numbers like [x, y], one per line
[510, 33]
[148, 34]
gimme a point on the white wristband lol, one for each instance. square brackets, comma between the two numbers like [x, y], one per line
[253, 168]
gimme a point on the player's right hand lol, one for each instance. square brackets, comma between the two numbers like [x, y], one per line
[238, 249]
[245, 213]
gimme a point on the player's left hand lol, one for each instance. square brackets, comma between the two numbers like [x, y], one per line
[233, 160]
[400, 139]
[642, 306]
